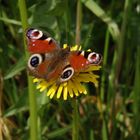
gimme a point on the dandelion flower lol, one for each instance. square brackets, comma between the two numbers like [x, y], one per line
[71, 88]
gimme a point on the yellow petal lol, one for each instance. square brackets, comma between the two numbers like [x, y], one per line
[89, 50]
[84, 78]
[93, 80]
[75, 91]
[78, 85]
[71, 93]
[65, 84]
[42, 88]
[51, 90]
[85, 92]
[45, 84]
[35, 80]
[79, 48]
[70, 89]
[65, 46]
[38, 86]
[75, 48]
[93, 75]
[59, 92]
[52, 94]
[65, 93]
[91, 68]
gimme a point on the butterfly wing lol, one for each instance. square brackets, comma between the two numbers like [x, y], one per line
[39, 42]
[48, 66]
[62, 64]
[77, 61]
[49, 61]
[80, 60]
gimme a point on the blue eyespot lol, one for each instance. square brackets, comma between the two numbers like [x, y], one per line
[67, 74]
[35, 60]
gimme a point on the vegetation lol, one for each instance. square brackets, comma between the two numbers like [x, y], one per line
[110, 112]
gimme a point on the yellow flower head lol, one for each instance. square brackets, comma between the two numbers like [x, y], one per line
[71, 88]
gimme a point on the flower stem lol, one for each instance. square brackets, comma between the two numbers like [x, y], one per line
[75, 132]
[75, 121]
[78, 22]
[32, 98]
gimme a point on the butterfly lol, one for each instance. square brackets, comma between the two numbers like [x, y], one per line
[51, 62]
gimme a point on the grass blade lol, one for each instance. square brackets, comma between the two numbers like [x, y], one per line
[99, 12]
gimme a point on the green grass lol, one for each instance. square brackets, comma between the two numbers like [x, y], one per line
[110, 112]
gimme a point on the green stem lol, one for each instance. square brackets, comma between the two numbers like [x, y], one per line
[78, 22]
[24, 22]
[75, 120]
[32, 97]
[105, 56]
[33, 111]
[136, 105]
[67, 21]
[121, 42]
[75, 132]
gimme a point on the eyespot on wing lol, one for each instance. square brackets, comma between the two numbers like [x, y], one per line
[66, 74]
[39, 42]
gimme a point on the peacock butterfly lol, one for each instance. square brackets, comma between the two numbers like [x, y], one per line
[49, 61]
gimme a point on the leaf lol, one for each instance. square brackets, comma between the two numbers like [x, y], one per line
[59, 132]
[18, 67]
[20, 106]
[10, 21]
[99, 12]
[41, 17]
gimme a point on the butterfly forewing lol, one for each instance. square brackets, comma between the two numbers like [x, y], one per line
[38, 42]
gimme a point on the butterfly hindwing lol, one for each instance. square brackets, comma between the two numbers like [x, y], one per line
[82, 59]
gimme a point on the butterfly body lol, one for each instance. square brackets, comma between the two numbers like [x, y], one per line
[49, 61]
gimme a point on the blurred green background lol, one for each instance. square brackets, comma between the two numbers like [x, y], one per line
[109, 27]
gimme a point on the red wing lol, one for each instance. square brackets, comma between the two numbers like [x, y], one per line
[41, 46]
[78, 62]
[38, 42]
[48, 66]
[82, 59]
[43, 71]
